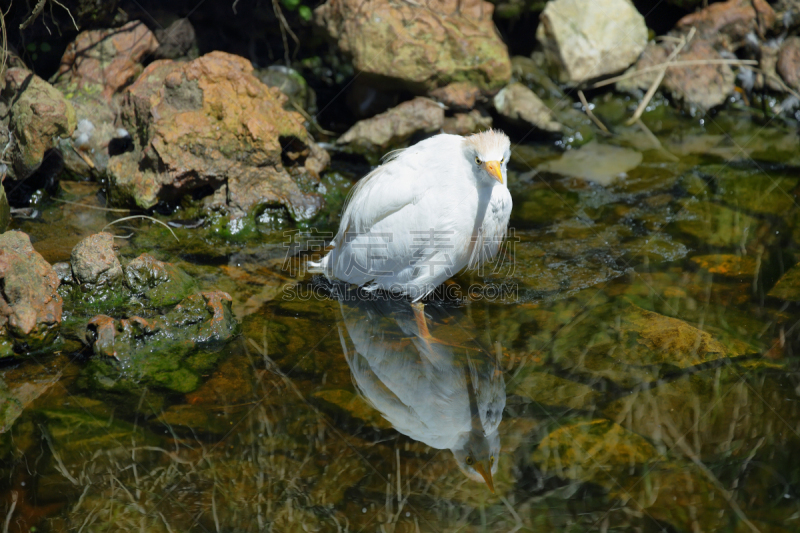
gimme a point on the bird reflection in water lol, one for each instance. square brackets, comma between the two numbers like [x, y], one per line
[437, 387]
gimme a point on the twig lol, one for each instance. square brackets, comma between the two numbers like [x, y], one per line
[656, 82]
[3, 40]
[142, 216]
[83, 156]
[93, 207]
[310, 119]
[589, 113]
[710, 476]
[59, 463]
[37, 10]
[284, 26]
[14, 496]
[656, 143]
[56, 2]
[674, 64]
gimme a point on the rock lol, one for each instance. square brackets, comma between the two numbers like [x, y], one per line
[587, 40]
[30, 306]
[394, 127]
[94, 261]
[527, 71]
[768, 78]
[97, 283]
[354, 405]
[177, 41]
[170, 351]
[35, 114]
[20, 386]
[697, 88]
[600, 163]
[364, 100]
[788, 286]
[94, 68]
[750, 190]
[728, 265]
[613, 449]
[161, 284]
[210, 124]
[459, 96]
[97, 13]
[467, 123]
[549, 390]
[104, 61]
[418, 46]
[5, 209]
[716, 225]
[727, 24]
[788, 65]
[519, 104]
[292, 84]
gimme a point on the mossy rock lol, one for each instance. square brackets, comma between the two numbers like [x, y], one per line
[788, 287]
[716, 225]
[169, 352]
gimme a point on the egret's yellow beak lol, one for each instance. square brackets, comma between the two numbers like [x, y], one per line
[493, 168]
[486, 473]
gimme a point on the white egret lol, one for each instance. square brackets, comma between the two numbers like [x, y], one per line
[447, 394]
[426, 213]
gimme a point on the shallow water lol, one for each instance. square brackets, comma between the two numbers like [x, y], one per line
[635, 339]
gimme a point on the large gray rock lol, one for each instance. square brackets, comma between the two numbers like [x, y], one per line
[418, 45]
[589, 39]
[519, 104]
[392, 128]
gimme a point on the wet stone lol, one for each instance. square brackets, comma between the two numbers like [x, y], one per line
[594, 450]
[788, 286]
[192, 420]
[599, 163]
[170, 351]
[752, 190]
[30, 306]
[394, 127]
[727, 264]
[161, 284]
[628, 345]
[37, 115]
[716, 225]
[94, 261]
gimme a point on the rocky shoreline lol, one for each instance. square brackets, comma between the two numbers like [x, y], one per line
[143, 112]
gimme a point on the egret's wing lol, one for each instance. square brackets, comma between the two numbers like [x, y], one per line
[380, 194]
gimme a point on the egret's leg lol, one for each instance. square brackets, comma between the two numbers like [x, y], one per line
[422, 322]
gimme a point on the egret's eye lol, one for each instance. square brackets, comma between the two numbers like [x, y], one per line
[491, 460]
[469, 460]
[502, 160]
[478, 161]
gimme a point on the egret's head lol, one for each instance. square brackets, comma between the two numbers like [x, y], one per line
[477, 454]
[489, 152]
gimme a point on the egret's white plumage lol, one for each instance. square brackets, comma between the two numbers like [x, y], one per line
[445, 395]
[426, 213]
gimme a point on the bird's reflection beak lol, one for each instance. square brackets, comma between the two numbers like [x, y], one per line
[486, 473]
[493, 168]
